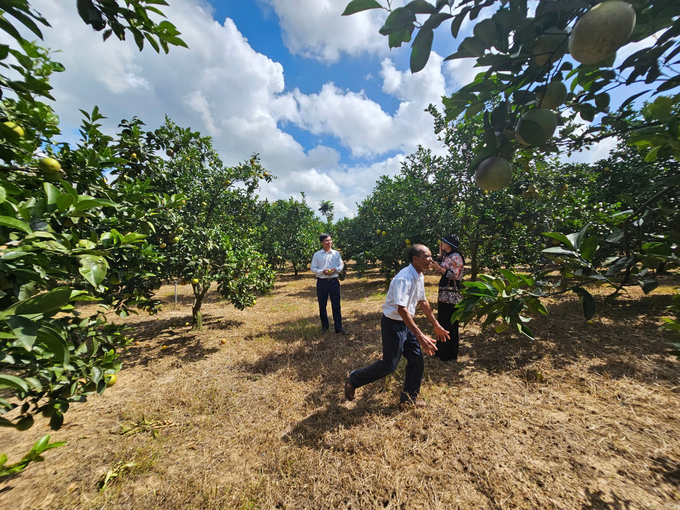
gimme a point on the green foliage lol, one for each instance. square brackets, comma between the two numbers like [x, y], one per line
[509, 297]
[67, 234]
[524, 54]
[211, 238]
[292, 232]
[34, 455]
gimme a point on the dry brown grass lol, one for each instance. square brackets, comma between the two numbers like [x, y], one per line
[259, 422]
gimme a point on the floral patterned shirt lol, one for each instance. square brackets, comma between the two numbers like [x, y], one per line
[449, 284]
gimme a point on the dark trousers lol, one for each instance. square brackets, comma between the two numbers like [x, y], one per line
[324, 288]
[447, 351]
[397, 339]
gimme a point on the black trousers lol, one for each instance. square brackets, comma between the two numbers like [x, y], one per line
[447, 351]
[324, 288]
[397, 339]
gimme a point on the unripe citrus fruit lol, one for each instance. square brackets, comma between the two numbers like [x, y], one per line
[378, 231]
[175, 239]
[162, 245]
[49, 165]
[554, 96]
[195, 281]
[516, 224]
[14, 127]
[536, 127]
[493, 174]
[550, 46]
[384, 233]
[111, 380]
[601, 31]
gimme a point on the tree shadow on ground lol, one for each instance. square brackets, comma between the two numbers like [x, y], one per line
[350, 289]
[173, 333]
[596, 501]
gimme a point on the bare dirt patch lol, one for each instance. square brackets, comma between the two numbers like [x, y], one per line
[259, 421]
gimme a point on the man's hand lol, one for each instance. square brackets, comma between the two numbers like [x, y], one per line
[442, 334]
[427, 344]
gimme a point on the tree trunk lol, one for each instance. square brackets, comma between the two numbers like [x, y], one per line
[473, 261]
[199, 295]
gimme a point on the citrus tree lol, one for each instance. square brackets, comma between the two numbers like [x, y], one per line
[545, 87]
[292, 233]
[211, 239]
[64, 230]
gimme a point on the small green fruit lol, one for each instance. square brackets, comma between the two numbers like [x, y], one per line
[111, 380]
[49, 165]
[195, 281]
[162, 245]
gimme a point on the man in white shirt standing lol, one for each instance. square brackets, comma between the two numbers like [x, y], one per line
[326, 265]
[400, 334]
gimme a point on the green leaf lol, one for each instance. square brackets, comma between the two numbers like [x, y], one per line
[398, 20]
[581, 235]
[421, 7]
[24, 329]
[89, 203]
[652, 155]
[661, 108]
[396, 39]
[93, 268]
[648, 284]
[587, 302]
[51, 339]
[3, 194]
[559, 251]
[589, 248]
[360, 5]
[51, 194]
[560, 237]
[10, 381]
[14, 223]
[64, 202]
[420, 51]
[42, 303]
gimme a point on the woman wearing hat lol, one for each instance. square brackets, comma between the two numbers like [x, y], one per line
[450, 265]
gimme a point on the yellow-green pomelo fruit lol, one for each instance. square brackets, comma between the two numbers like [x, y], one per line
[550, 46]
[493, 174]
[535, 127]
[49, 165]
[16, 128]
[601, 31]
[554, 96]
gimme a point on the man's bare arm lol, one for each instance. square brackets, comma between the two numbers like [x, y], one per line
[429, 345]
[442, 334]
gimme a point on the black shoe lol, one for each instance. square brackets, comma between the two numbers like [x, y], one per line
[341, 332]
[324, 329]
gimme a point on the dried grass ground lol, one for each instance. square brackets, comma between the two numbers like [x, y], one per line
[259, 422]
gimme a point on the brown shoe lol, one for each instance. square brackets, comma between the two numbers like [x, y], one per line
[419, 403]
[349, 389]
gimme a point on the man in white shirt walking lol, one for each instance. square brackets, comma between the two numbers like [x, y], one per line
[326, 265]
[400, 334]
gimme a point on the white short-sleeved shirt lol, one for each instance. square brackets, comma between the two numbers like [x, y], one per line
[323, 260]
[406, 289]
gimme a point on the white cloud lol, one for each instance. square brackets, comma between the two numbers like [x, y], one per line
[317, 29]
[222, 87]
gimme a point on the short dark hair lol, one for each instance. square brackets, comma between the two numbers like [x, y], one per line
[415, 251]
[323, 237]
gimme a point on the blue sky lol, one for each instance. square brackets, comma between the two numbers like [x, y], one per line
[319, 96]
